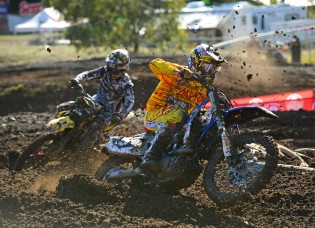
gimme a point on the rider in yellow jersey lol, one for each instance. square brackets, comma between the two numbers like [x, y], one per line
[176, 96]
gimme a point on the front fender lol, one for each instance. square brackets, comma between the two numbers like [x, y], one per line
[233, 116]
[246, 113]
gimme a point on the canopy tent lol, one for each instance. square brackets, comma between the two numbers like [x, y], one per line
[48, 20]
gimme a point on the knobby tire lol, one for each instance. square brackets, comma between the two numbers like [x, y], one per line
[31, 149]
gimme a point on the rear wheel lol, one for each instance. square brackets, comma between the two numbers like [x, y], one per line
[36, 153]
[258, 157]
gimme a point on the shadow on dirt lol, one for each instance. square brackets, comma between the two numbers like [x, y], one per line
[84, 189]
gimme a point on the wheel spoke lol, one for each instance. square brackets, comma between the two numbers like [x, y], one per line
[240, 176]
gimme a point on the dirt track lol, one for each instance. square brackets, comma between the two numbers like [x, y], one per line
[30, 198]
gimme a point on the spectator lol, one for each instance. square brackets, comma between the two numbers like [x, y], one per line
[295, 47]
[270, 49]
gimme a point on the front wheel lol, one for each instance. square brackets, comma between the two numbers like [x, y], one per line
[36, 153]
[228, 184]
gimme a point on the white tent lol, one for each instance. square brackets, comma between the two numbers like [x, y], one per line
[48, 20]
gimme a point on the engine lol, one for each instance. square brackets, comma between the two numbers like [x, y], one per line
[180, 171]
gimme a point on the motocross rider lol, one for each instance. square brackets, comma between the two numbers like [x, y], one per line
[115, 93]
[176, 96]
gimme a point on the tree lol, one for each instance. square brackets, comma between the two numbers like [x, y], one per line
[113, 23]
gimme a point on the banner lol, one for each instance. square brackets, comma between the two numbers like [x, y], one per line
[291, 101]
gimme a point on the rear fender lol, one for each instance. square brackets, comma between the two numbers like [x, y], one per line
[246, 113]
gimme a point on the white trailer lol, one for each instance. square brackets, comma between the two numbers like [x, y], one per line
[234, 20]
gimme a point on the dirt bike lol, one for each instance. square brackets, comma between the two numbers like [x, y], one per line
[226, 181]
[67, 129]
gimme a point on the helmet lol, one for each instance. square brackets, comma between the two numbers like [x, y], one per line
[118, 61]
[205, 61]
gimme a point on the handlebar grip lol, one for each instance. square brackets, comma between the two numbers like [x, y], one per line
[79, 88]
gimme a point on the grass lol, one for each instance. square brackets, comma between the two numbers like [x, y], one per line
[26, 49]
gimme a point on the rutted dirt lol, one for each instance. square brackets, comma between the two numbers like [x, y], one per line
[30, 198]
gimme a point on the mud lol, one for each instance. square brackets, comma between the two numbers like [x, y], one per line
[64, 194]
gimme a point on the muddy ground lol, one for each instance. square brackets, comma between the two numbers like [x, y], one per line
[32, 199]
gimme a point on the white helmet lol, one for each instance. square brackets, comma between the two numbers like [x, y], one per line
[118, 61]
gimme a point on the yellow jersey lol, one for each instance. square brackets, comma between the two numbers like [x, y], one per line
[172, 90]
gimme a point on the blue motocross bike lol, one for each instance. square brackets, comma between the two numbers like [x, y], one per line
[229, 174]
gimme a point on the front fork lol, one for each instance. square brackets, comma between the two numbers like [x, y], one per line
[219, 119]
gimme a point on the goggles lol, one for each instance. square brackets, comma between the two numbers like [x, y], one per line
[210, 68]
[118, 67]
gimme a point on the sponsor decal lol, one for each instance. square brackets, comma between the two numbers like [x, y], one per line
[274, 107]
[256, 101]
[294, 102]
[151, 124]
[30, 8]
[190, 95]
[172, 100]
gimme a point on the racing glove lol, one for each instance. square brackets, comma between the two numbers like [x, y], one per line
[116, 118]
[185, 73]
[75, 84]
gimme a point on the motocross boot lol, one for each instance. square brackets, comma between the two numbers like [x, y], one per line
[151, 160]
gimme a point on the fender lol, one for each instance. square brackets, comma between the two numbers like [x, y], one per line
[243, 114]
[239, 115]
[61, 123]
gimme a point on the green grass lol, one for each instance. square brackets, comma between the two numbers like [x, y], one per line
[27, 49]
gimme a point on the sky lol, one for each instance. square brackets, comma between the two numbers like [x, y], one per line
[293, 2]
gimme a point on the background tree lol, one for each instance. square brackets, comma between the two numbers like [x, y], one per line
[113, 23]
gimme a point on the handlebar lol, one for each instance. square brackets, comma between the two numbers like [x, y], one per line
[80, 89]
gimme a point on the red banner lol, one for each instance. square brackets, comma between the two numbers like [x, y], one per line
[291, 101]
[30, 8]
